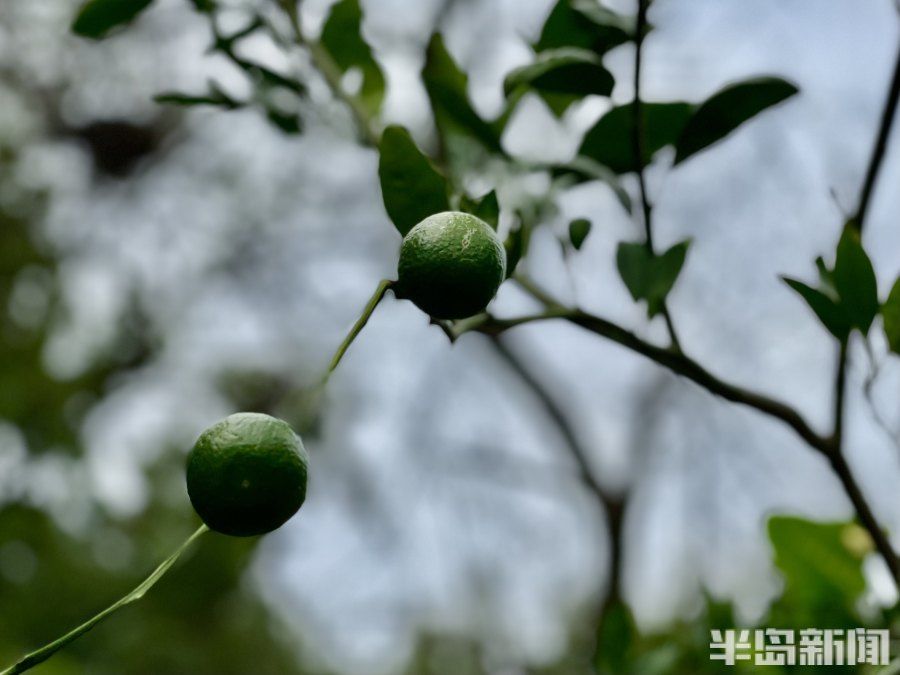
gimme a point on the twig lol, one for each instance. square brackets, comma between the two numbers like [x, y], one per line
[637, 141]
[880, 148]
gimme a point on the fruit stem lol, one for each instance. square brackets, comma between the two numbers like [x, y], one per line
[383, 286]
[29, 661]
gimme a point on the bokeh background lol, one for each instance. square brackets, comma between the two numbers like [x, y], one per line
[161, 268]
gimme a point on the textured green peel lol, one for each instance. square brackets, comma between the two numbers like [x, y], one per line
[451, 265]
[246, 475]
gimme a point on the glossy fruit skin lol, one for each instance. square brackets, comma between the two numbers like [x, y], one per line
[451, 265]
[246, 475]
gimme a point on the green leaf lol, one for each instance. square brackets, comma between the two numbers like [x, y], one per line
[579, 229]
[562, 76]
[584, 169]
[647, 276]
[728, 109]
[609, 141]
[829, 311]
[447, 88]
[616, 636]
[890, 313]
[584, 24]
[410, 185]
[854, 280]
[342, 38]
[97, 17]
[487, 208]
[822, 568]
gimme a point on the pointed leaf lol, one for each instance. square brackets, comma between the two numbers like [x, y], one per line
[647, 276]
[447, 88]
[411, 187]
[728, 109]
[830, 313]
[609, 141]
[890, 313]
[586, 25]
[854, 280]
[516, 244]
[342, 37]
[97, 17]
[579, 229]
[562, 76]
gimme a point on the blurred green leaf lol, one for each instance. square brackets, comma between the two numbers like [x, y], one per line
[854, 280]
[342, 37]
[215, 97]
[609, 141]
[579, 229]
[97, 17]
[615, 637]
[829, 311]
[584, 24]
[890, 313]
[727, 109]
[447, 88]
[487, 208]
[822, 568]
[562, 76]
[648, 276]
[411, 187]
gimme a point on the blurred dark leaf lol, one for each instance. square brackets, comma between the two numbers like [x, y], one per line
[516, 245]
[822, 568]
[727, 109]
[342, 37]
[648, 276]
[562, 76]
[216, 96]
[854, 280]
[411, 187]
[204, 6]
[289, 123]
[579, 229]
[584, 24]
[615, 637]
[584, 169]
[487, 208]
[829, 311]
[609, 141]
[447, 88]
[117, 146]
[890, 313]
[97, 17]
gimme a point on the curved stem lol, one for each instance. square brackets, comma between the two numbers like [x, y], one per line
[29, 661]
[363, 319]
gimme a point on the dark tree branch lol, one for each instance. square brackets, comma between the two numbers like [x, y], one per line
[880, 149]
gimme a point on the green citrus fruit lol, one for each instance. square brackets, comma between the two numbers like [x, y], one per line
[451, 265]
[246, 475]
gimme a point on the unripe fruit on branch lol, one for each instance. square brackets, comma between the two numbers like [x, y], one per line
[451, 265]
[246, 475]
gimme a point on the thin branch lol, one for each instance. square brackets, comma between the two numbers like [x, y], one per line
[880, 148]
[677, 362]
[637, 141]
[324, 63]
